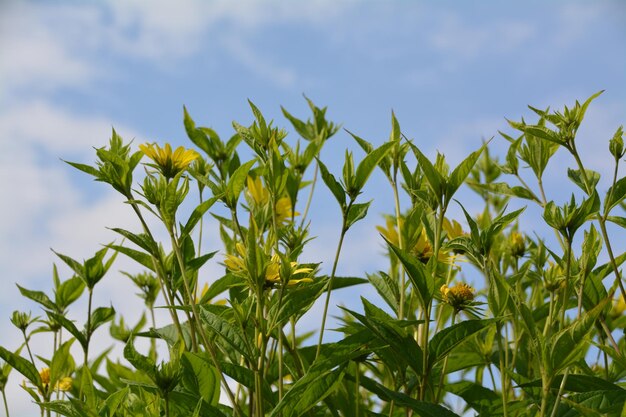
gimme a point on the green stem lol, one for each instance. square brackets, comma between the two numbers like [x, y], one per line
[310, 197]
[501, 357]
[88, 327]
[444, 367]
[329, 286]
[357, 391]
[209, 347]
[396, 198]
[30, 354]
[558, 395]
[6, 405]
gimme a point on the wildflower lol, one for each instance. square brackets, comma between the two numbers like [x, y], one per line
[272, 273]
[619, 306]
[237, 265]
[460, 297]
[423, 250]
[389, 231]
[167, 162]
[64, 384]
[261, 196]
[453, 229]
[517, 245]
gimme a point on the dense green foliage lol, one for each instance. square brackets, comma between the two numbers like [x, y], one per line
[544, 337]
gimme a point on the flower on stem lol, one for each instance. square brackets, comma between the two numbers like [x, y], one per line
[261, 197]
[167, 162]
[460, 297]
[389, 231]
[517, 245]
[64, 384]
[236, 263]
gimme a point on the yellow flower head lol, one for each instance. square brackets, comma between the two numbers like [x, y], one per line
[459, 296]
[236, 263]
[272, 273]
[518, 245]
[260, 196]
[45, 376]
[453, 229]
[619, 306]
[65, 384]
[389, 231]
[167, 162]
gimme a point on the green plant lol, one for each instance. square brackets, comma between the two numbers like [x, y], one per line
[541, 337]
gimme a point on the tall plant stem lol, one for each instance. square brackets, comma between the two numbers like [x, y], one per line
[88, 327]
[205, 341]
[6, 405]
[329, 286]
[444, 367]
[601, 219]
[396, 199]
[159, 271]
[310, 197]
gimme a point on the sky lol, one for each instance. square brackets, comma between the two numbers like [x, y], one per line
[452, 72]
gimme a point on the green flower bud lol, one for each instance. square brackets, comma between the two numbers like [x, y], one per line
[616, 145]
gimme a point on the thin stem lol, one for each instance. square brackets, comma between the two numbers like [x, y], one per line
[396, 198]
[329, 286]
[209, 347]
[310, 197]
[88, 327]
[503, 384]
[444, 367]
[558, 395]
[357, 391]
[30, 354]
[6, 405]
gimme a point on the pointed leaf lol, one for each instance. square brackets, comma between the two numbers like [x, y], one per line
[333, 185]
[460, 173]
[447, 339]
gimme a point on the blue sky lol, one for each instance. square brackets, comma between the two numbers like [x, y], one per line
[451, 71]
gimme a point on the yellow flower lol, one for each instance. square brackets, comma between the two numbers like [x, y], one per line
[45, 376]
[459, 297]
[619, 306]
[518, 245]
[453, 229]
[259, 194]
[236, 263]
[167, 162]
[65, 384]
[272, 273]
[389, 231]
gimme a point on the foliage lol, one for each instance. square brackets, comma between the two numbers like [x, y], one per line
[542, 337]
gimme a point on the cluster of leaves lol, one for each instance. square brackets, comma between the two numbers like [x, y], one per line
[542, 337]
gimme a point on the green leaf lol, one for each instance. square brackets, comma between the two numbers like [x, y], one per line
[113, 402]
[422, 280]
[142, 240]
[577, 178]
[62, 363]
[544, 133]
[367, 165]
[475, 395]
[357, 212]
[308, 391]
[139, 361]
[196, 135]
[39, 297]
[197, 214]
[202, 376]
[387, 288]
[229, 333]
[87, 388]
[68, 292]
[100, 316]
[505, 189]
[237, 182]
[620, 221]
[403, 345]
[22, 366]
[460, 173]
[423, 409]
[333, 185]
[434, 178]
[141, 258]
[447, 339]
[70, 327]
[615, 195]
